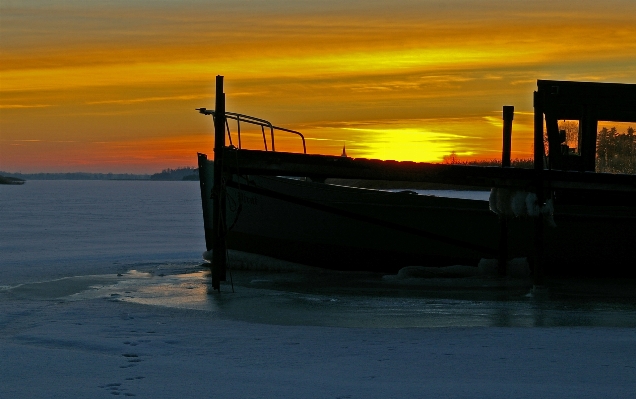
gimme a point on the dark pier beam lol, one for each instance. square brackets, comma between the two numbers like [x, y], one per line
[539, 150]
[508, 116]
[555, 159]
[268, 163]
[219, 230]
[538, 272]
[589, 129]
[206, 195]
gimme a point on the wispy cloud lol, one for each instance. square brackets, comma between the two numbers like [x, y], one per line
[18, 106]
[425, 135]
[149, 99]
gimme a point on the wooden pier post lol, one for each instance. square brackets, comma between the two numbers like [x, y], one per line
[539, 152]
[206, 195]
[508, 116]
[219, 255]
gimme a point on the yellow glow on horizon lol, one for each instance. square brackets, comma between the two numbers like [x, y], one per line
[407, 144]
[423, 140]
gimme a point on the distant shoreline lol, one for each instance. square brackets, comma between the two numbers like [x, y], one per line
[179, 174]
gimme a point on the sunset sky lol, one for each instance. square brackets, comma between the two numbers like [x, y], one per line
[112, 86]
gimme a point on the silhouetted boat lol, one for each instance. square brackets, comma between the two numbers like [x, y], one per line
[307, 221]
[11, 180]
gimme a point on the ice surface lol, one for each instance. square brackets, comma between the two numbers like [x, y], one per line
[139, 334]
[102, 294]
[98, 348]
[516, 268]
[427, 272]
[66, 228]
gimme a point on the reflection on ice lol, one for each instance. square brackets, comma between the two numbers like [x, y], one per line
[322, 298]
[184, 291]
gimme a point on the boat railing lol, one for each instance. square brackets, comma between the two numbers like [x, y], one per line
[264, 124]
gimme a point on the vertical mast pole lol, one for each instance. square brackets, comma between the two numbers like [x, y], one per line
[219, 258]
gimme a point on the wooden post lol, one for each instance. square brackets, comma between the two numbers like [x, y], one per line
[508, 116]
[538, 169]
[206, 195]
[219, 258]
[588, 131]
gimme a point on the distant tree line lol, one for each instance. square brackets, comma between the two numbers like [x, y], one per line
[615, 153]
[185, 173]
[76, 176]
[453, 159]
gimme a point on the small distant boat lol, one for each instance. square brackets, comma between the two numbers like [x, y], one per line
[305, 220]
[11, 180]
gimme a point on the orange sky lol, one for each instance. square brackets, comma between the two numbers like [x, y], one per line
[112, 86]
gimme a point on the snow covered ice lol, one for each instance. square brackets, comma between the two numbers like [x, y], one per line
[102, 294]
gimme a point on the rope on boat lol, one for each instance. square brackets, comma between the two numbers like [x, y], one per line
[517, 203]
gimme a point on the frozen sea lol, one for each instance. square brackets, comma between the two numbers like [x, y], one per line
[103, 293]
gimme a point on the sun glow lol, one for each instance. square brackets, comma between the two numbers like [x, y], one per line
[406, 144]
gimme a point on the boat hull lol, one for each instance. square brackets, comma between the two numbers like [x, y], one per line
[346, 228]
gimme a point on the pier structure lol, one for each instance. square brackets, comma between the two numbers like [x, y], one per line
[558, 170]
